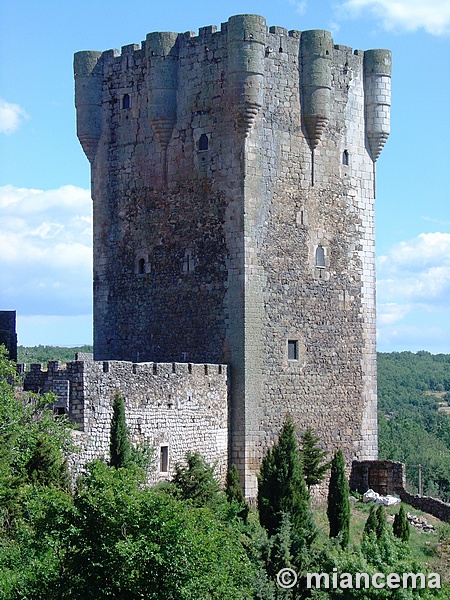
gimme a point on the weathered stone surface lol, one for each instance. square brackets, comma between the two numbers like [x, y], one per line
[8, 335]
[181, 406]
[233, 189]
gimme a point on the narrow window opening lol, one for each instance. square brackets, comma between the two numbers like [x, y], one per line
[164, 459]
[188, 262]
[320, 257]
[126, 102]
[141, 266]
[203, 143]
[293, 349]
[106, 367]
[345, 158]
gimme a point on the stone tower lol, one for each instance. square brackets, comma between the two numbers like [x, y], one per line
[233, 193]
[8, 335]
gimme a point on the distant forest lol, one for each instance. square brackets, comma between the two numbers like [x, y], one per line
[413, 404]
[42, 354]
[414, 417]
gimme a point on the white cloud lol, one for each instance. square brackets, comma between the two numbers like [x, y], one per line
[417, 271]
[300, 6]
[46, 250]
[413, 290]
[408, 15]
[427, 249]
[391, 313]
[11, 116]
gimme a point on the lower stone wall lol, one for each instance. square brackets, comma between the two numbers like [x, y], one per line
[433, 506]
[389, 477]
[173, 407]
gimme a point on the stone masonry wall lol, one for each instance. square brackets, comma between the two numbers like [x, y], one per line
[183, 407]
[233, 188]
[8, 335]
[389, 477]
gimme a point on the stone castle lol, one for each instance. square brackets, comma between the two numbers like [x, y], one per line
[233, 187]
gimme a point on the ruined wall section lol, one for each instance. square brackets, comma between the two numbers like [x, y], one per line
[183, 407]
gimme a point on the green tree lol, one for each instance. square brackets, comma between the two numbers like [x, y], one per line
[371, 523]
[282, 489]
[47, 466]
[234, 493]
[120, 447]
[195, 481]
[131, 541]
[312, 457]
[33, 444]
[338, 509]
[381, 526]
[401, 525]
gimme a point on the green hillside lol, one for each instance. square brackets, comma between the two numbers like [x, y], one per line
[414, 416]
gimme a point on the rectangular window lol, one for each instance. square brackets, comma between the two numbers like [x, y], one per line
[293, 349]
[164, 459]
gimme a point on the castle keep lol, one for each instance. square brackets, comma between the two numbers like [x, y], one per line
[233, 196]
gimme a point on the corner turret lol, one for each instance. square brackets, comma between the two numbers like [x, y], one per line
[88, 69]
[246, 49]
[162, 55]
[316, 52]
[377, 95]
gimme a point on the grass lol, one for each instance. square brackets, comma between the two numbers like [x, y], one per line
[431, 549]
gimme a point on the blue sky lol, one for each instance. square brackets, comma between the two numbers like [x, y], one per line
[45, 206]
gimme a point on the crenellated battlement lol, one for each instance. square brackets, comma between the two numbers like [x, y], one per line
[176, 405]
[233, 187]
[242, 46]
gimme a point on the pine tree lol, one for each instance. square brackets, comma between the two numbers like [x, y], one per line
[282, 489]
[312, 457]
[196, 481]
[47, 465]
[401, 525]
[338, 510]
[120, 447]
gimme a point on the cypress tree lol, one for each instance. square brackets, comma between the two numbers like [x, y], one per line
[234, 493]
[282, 489]
[312, 457]
[381, 525]
[233, 488]
[401, 525]
[371, 523]
[119, 448]
[338, 510]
